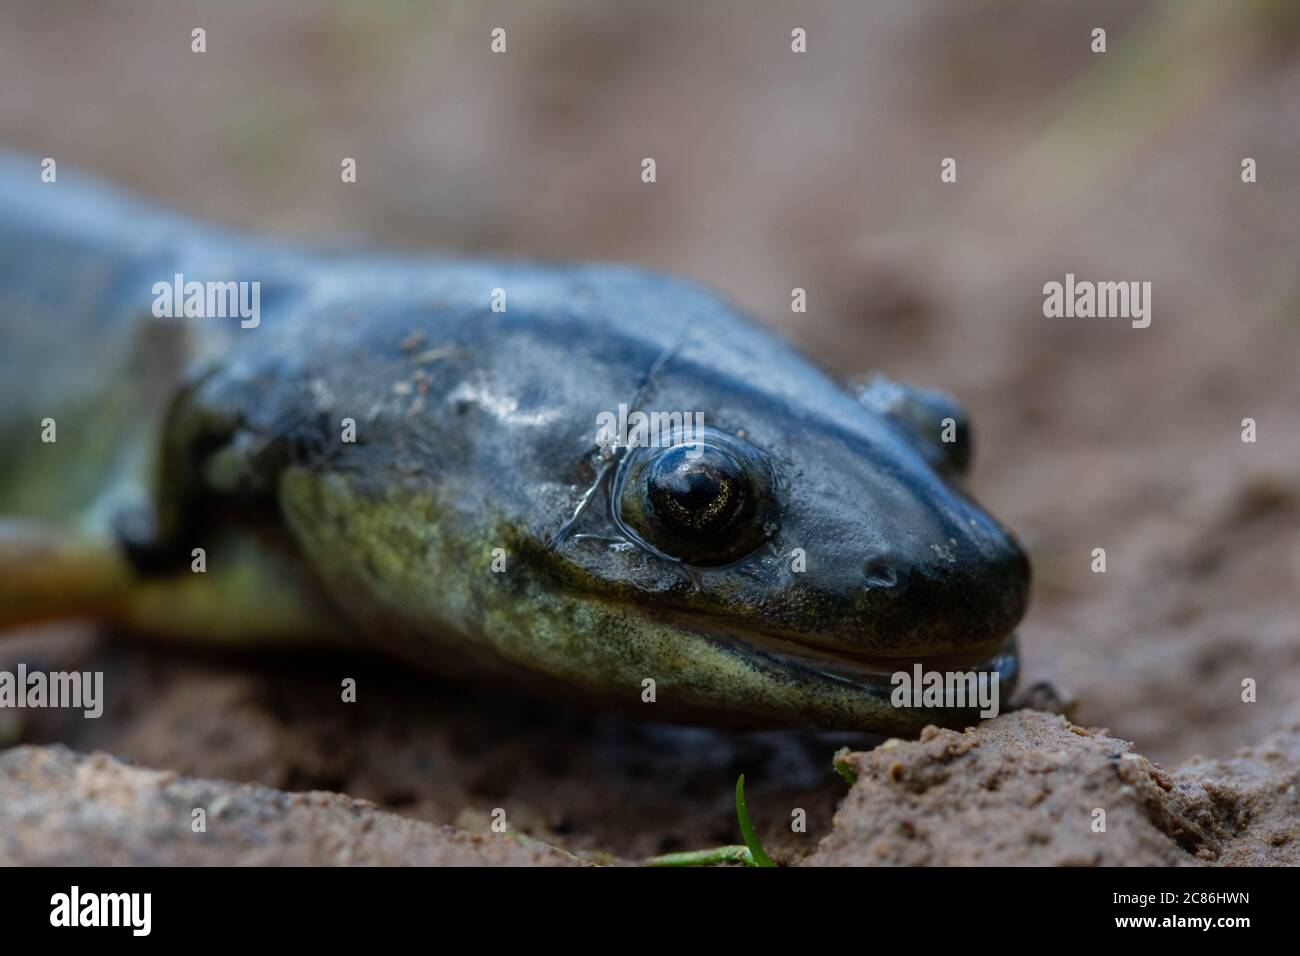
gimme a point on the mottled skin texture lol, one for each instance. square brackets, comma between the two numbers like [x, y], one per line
[475, 431]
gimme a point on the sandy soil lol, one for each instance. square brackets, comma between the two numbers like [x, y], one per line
[1024, 788]
[775, 170]
[64, 809]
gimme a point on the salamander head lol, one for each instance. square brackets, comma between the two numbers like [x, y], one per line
[826, 560]
[772, 555]
[793, 554]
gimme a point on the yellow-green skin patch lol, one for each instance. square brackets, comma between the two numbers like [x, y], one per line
[396, 565]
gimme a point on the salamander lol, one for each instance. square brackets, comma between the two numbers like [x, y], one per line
[403, 453]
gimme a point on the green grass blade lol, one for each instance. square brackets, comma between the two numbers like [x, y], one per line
[714, 857]
[760, 858]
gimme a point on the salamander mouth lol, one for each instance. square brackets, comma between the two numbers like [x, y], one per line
[874, 673]
[980, 657]
[867, 667]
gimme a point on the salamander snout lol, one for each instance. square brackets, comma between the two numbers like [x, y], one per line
[959, 586]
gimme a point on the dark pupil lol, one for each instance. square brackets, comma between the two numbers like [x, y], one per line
[701, 493]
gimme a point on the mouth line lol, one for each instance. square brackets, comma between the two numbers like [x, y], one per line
[968, 659]
[868, 669]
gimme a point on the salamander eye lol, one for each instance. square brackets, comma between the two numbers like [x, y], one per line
[703, 494]
[706, 502]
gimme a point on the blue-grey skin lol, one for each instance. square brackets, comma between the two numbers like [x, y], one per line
[475, 431]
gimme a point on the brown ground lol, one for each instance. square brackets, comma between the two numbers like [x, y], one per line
[66, 809]
[779, 170]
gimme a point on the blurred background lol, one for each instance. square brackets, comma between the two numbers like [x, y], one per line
[818, 170]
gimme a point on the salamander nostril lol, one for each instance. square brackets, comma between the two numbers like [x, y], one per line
[879, 575]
